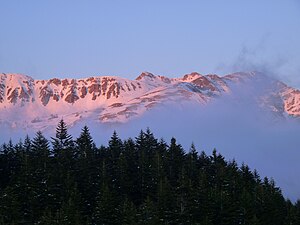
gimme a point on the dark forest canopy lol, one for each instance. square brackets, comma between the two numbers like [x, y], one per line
[135, 181]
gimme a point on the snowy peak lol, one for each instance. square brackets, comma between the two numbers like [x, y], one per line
[209, 84]
[152, 79]
[146, 75]
[190, 77]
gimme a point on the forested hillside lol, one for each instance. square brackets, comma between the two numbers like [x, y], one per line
[144, 180]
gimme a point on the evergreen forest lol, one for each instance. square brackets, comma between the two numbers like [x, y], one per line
[141, 180]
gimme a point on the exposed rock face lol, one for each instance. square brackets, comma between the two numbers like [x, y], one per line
[114, 90]
[25, 94]
[70, 91]
[72, 94]
[95, 90]
[83, 92]
[191, 76]
[204, 84]
[13, 95]
[2, 89]
[292, 101]
[55, 81]
[45, 94]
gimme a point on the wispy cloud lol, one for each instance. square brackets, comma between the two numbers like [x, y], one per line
[258, 57]
[251, 59]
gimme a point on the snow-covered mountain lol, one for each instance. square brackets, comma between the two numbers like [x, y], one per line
[25, 102]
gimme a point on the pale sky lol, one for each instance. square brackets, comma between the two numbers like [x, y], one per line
[77, 38]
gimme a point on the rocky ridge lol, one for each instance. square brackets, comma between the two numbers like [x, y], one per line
[115, 99]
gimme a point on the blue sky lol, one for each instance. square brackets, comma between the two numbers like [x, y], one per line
[73, 38]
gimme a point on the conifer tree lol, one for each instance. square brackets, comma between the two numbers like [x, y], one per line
[10, 164]
[62, 177]
[142, 165]
[115, 147]
[27, 152]
[175, 162]
[62, 141]
[86, 171]
[40, 151]
[85, 144]
[39, 167]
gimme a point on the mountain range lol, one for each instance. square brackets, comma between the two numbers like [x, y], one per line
[29, 103]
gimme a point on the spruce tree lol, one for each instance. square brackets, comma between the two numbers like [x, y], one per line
[27, 152]
[62, 142]
[175, 162]
[86, 171]
[63, 167]
[115, 147]
[85, 144]
[39, 167]
[40, 151]
[143, 164]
